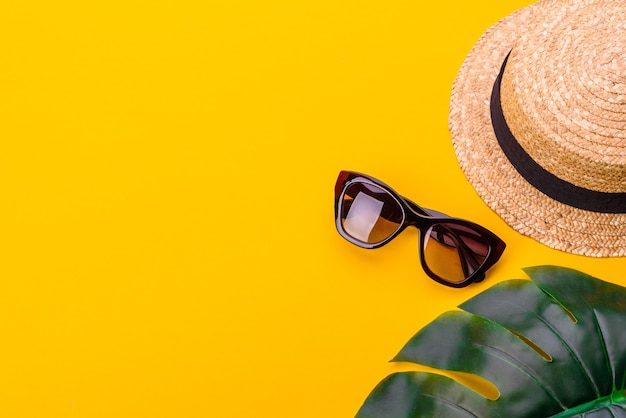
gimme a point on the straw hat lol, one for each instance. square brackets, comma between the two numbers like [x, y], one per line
[547, 151]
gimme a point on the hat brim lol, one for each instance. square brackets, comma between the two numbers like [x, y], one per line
[496, 181]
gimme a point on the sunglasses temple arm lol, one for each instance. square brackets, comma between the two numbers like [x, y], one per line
[471, 264]
[468, 256]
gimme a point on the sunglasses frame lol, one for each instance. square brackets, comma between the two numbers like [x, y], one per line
[422, 219]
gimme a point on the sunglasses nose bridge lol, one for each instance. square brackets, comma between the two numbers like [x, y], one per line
[412, 218]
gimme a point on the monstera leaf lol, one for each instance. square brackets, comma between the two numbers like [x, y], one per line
[552, 347]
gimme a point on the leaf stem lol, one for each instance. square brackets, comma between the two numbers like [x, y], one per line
[618, 397]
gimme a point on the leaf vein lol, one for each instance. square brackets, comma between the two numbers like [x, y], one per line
[524, 369]
[451, 404]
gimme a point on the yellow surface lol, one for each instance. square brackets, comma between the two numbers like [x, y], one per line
[166, 201]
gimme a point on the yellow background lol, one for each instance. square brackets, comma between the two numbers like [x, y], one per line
[167, 243]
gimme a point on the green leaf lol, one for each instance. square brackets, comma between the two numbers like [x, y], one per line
[553, 347]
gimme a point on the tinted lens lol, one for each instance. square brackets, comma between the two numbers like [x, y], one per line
[369, 213]
[453, 251]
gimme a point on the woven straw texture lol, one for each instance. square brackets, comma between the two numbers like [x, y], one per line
[564, 98]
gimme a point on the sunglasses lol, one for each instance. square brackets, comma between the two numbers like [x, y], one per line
[453, 251]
